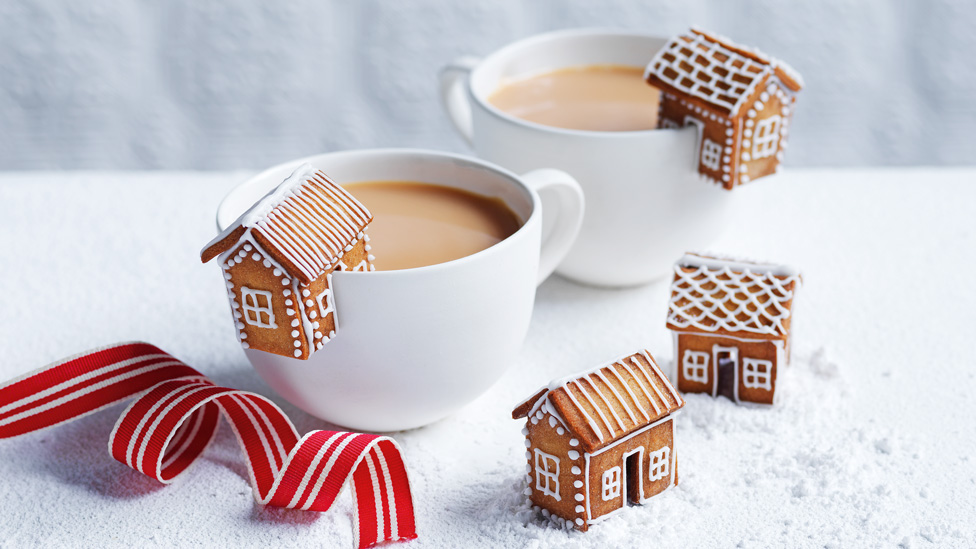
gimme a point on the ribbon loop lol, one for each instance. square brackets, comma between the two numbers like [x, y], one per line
[164, 431]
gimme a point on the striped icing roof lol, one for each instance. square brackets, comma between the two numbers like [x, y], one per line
[306, 224]
[608, 402]
[731, 297]
[715, 70]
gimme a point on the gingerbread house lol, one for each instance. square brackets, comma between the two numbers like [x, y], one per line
[731, 324]
[600, 440]
[278, 259]
[740, 100]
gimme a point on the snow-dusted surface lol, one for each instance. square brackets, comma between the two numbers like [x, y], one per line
[873, 444]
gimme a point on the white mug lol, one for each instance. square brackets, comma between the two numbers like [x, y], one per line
[645, 204]
[414, 345]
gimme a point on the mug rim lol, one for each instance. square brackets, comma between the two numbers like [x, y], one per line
[530, 193]
[543, 37]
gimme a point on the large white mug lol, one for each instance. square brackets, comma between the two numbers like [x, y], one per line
[645, 204]
[414, 345]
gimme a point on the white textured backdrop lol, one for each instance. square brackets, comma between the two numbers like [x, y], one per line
[248, 83]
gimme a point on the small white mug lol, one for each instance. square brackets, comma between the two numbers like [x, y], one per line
[645, 204]
[414, 345]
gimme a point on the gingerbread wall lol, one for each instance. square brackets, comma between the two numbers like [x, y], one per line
[769, 106]
[756, 349]
[716, 155]
[546, 434]
[646, 442]
[244, 268]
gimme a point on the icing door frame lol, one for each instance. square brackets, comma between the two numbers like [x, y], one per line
[625, 486]
[734, 355]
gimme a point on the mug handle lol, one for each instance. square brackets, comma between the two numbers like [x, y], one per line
[454, 97]
[562, 215]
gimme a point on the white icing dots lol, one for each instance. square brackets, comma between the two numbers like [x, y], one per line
[729, 132]
[267, 264]
[579, 509]
[309, 303]
[244, 344]
[239, 325]
[313, 315]
[241, 253]
[298, 344]
[318, 335]
[290, 312]
[306, 293]
[294, 333]
[560, 431]
[573, 442]
[315, 325]
[298, 353]
[577, 484]
[286, 293]
[576, 470]
[525, 431]
[579, 497]
[256, 257]
[294, 323]
[552, 421]
[285, 282]
[248, 247]
[579, 522]
[276, 272]
[573, 455]
[289, 303]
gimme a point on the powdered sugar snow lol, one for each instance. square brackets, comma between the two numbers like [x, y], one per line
[870, 445]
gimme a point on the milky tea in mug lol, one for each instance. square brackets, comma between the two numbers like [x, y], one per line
[590, 97]
[418, 224]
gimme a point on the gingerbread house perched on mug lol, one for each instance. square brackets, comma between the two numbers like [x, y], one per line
[600, 440]
[740, 100]
[278, 259]
[731, 324]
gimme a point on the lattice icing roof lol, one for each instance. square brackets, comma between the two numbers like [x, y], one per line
[307, 224]
[604, 404]
[718, 295]
[715, 70]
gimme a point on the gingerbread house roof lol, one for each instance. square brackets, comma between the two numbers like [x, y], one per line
[731, 297]
[713, 69]
[306, 225]
[608, 402]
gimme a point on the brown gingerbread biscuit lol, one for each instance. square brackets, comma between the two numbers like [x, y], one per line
[731, 323]
[278, 259]
[741, 101]
[600, 440]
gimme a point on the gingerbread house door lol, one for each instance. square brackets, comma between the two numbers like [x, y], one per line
[634, 473]
[700, 127]
[726, 360]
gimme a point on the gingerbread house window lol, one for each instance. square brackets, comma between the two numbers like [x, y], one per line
[757, 374]
[710, 154]
[695, 366]
[325, 303]
[257, 308]
[660, 464]
[611, 483]
[767, 137]
[547, 474]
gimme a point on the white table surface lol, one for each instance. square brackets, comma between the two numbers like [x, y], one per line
[874, 443]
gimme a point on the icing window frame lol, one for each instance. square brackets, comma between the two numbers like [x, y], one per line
[326, 298]
[753, 377]
[711, 154]
[610, 483]
[253, 309]
[765, 139]
[694, 366]
[546, 477]
[659, 464]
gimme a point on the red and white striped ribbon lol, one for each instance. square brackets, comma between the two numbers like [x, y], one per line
[164, 430]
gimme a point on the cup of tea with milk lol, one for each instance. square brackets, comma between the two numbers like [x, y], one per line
[577, 100]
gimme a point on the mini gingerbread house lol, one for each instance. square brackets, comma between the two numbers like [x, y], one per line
[278, 259]
[731, 324]
[600, 440]
[740, 100]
